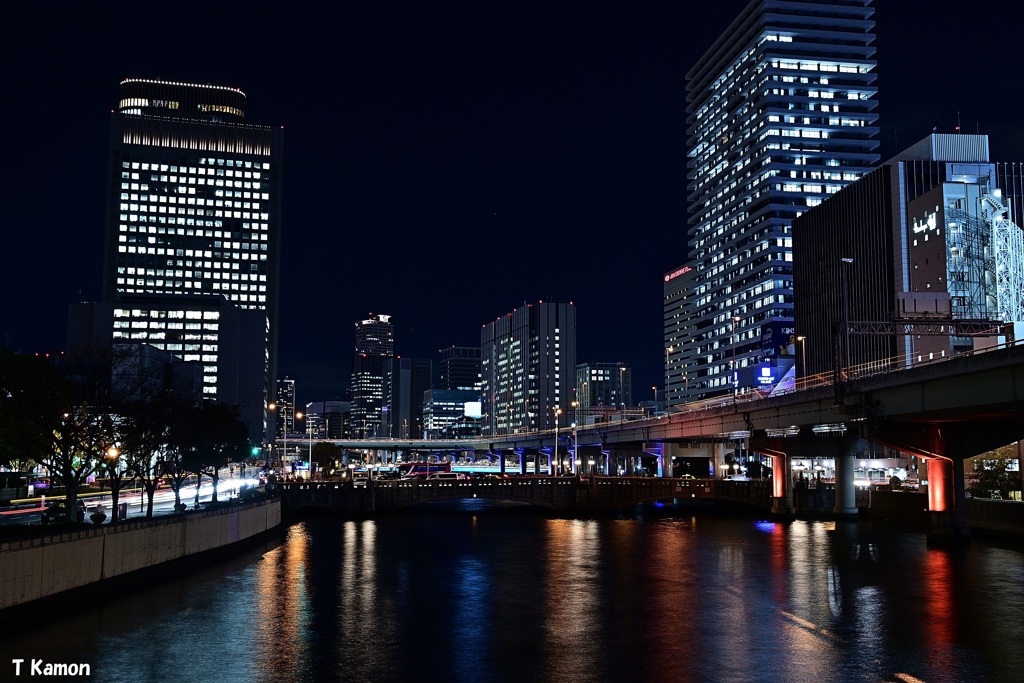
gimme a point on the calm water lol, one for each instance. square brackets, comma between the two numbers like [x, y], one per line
[474, 592]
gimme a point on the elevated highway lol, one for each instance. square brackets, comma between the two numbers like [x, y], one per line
[944, 412]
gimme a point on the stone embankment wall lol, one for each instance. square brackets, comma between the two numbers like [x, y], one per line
[44, 566]
[996, 517]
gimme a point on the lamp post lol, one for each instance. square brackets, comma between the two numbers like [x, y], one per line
[297, 416]
[554, 452]
[803, 355]
[575, 457]
[735, 379]
[846, 315]
[112, 458]
[309, 434]
[622, 399]
[273, 407]
[668, 376]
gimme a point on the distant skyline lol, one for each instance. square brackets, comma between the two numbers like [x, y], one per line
[444, 162]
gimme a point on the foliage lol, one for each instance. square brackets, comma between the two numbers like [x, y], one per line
[146, 434]
[992, 473]
[51, 411]
[211, 437]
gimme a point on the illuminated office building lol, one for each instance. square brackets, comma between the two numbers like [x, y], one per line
[528, 363]
[780, 117]
[285, 406]
[374, 347]
[224, 341]
[677, 305]
[602, 390]
[931, 235]
[194, 214]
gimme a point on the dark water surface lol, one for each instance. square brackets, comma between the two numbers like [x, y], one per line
[477, 592]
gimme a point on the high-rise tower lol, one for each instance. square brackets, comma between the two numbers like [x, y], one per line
[528, 363]
[375, 346]
[780, 117]
[193, 228]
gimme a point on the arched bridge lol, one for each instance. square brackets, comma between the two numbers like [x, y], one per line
[563, 495]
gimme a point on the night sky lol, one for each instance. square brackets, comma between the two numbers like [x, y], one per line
[445, 162]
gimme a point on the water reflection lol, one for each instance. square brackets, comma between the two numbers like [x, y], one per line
[472, 592]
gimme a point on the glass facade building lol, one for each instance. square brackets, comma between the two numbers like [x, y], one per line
[780, 116]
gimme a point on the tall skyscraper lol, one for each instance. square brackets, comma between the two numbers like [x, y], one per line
[528, 363]
[284, 406]
[375, 345]
[780, 117]
[194, 218]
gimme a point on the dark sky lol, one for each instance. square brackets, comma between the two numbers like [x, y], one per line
[445, 162]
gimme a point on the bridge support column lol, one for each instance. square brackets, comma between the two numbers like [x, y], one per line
[718, 460]
[846, 452]
[947, 503]
[782, 485]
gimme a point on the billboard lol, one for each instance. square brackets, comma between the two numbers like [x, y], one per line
[778, 338]
[472, 409]
[768, 375]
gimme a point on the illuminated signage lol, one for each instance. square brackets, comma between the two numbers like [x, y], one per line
[472, 409]
[766, 375]
[676, 273]
[928, 223]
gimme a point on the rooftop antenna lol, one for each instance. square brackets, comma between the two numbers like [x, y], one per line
[958, 121]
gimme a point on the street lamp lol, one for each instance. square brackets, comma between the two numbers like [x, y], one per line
[668, 375]
[803, 355]
[309, 435]
[554, 453]
[284, 422]
[846, 315]
[622, 399]
[575, 457]
[735, 379]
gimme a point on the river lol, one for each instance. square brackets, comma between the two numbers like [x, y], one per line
[477, 591]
